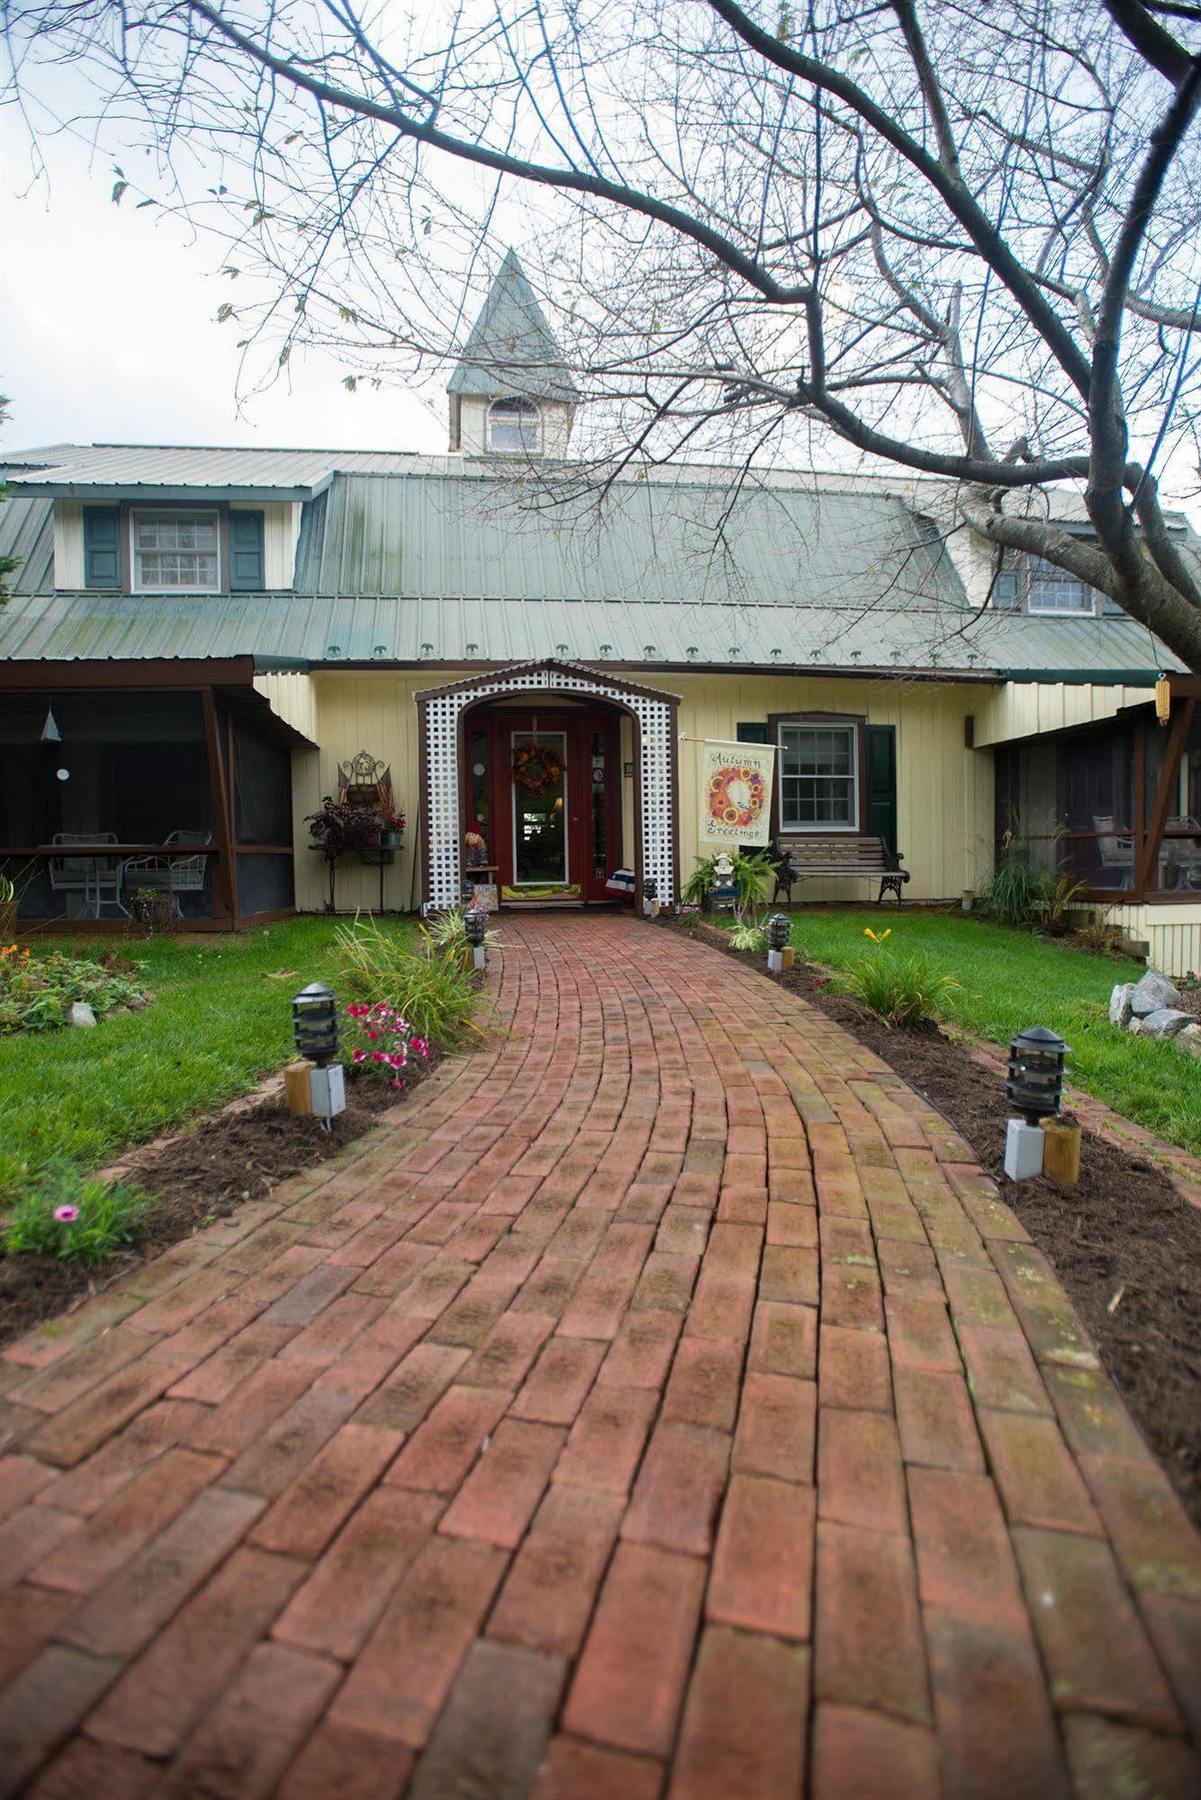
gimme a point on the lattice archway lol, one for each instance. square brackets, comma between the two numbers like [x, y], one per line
[440, 713]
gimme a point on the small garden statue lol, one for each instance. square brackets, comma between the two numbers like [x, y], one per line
[723, 893]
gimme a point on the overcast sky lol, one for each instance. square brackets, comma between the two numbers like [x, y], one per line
[108, 332]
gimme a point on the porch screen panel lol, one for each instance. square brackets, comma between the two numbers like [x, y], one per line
[264, 884]
[262, 788]
[1069, 806]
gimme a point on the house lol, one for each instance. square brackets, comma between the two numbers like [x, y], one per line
[199, 637]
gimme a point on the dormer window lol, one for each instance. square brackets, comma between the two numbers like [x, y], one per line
[175, 552]
[180, 549]
[1034, 585]
[515, 426]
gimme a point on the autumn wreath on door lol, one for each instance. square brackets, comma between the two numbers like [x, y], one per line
[537, 768]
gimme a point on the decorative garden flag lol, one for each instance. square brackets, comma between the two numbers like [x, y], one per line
[734, 793]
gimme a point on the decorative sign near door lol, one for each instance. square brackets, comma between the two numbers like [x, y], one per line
[734, 793]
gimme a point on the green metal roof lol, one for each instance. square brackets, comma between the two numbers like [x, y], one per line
[439, 567]
[511, 349]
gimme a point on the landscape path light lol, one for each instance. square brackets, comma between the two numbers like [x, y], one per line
[650, 898]
[1034, 1088]
[779, 937]
[476, 925]
[315, 1029]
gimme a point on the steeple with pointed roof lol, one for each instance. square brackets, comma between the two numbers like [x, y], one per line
[511, 362]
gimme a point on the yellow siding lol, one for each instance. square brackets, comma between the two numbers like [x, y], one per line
[361, 710]
[1027, 709]
[944, 791]
[68, 544]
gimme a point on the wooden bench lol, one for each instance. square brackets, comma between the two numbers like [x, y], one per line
[839, 856]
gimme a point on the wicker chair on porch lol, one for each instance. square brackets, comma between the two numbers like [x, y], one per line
[1116, 849]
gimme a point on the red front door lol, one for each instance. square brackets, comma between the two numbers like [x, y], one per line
[544, 789]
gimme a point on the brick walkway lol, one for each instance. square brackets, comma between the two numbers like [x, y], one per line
[663, 1403]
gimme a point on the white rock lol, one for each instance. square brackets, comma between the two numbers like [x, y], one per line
[80, 1013]
[1166, 1022]
[1190, 1039]
[1152, 994]
[1121, 1003]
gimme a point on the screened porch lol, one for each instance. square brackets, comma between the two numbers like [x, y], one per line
[1116, 806]
[112, 794]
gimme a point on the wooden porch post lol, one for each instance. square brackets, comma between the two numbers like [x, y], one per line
[225, 874]
[1169, 783]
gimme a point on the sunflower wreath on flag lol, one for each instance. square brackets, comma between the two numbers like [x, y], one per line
[537, 768]
[737, 794]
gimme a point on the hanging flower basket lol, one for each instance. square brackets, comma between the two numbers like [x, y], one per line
[537, 768]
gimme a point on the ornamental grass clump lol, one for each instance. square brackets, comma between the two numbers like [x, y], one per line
[432, 991]
[749, 934]
[446, 934]
[900, 990]
[74, 1217]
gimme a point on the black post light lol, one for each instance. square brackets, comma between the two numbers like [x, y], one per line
[315, 1024]
[1036, 1064]
[476, 923]
[650, 895]
[779, 931]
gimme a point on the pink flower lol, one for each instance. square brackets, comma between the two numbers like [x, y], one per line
[356, 1012]
[359, 1056]
[66, 1215]
[373, 1034]
[419, 1046]
[379, 1056]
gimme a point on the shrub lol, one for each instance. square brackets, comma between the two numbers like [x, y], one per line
[1053, 906]
[900, 990]
[75, 1217]
[433, 992]
[36, 991]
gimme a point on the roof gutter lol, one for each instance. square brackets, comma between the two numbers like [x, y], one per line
[196, 493]
[1085, 677]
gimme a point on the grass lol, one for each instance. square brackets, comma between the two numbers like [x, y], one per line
[217, 1024]
[1011, 979]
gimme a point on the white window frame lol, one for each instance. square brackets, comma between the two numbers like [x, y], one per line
[505, 404]
[821, 827]
[1052, 576]
[196, 515]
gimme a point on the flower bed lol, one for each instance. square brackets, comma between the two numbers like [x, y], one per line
[39, 988]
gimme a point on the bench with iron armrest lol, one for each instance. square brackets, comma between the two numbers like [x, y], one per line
[838, 857]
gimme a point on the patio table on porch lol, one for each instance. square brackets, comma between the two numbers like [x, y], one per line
[114, 857]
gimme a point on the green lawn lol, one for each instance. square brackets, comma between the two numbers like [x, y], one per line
[1011, 979]
[218, 1023]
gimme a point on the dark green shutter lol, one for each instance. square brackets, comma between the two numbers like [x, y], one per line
[245, 552]
[882, 784]
[750, 733]
[101, 557]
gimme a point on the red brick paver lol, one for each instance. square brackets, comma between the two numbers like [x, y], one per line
[661, 1404]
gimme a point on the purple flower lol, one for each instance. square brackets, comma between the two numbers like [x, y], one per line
[66, 1215]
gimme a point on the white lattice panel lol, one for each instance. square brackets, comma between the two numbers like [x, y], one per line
[442, 714]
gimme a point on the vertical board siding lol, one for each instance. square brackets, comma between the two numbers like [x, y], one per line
[1027, 709]
[944, 791]
[1171, 933]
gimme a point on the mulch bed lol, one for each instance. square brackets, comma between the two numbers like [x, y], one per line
[1123, 1230]
[195, 1179]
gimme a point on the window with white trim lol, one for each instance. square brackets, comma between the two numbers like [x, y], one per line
[515, 426]
[1032, 584]
[819, 777]
[175, 552]
[1055, 590]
